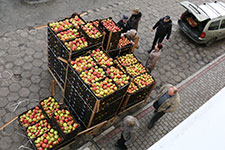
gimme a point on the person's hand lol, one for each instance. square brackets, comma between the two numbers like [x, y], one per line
[166, 40]
[152, 30]
[132, 42]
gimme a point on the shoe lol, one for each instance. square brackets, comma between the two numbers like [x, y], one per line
[117, 145]
[150, 125]
[149, 51]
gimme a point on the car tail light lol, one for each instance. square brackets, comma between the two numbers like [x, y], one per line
[202, 35]
[182, 16]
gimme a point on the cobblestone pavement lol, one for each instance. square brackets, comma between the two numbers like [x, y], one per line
[24, 78]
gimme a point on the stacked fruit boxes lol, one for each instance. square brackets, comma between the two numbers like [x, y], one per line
[97, 86]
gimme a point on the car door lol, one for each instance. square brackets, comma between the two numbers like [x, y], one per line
[213, 30]
[222, 29]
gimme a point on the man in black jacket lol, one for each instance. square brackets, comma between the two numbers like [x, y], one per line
[134, 19]
[123, 24]
[164, 27]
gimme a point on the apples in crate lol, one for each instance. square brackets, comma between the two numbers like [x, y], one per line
[68, 34]
[135, 69]
[76, 21]
[103, 88]
[31, 116]
[118, 76]
[82, 63]
[60, 26]
[92, 75]
[50, 106]
[127, 60]
[132, 88]
[123, 42]
[65, 121]
[91, 31]
[38, 129]
[96, 23]
[77, 44]
[110, 25]
[48, 140]
[144, 80]
[101, 57]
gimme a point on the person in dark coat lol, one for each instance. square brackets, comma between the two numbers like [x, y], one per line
[164, 27]
[123, 24]
[134, 19]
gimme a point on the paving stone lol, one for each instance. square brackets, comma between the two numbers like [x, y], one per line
[5, 143]
[23, 34]
[4, 91]
[36, 71]
[35, 79]
[27, 66]
[12, 97]
[37, 62]
[25, 82]
[15, 87]
[24, 92]
[34, 88]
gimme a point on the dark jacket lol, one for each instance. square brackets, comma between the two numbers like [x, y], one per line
[134, 20]
[163, 28]
[124, 27]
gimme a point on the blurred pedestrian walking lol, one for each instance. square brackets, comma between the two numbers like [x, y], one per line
[130, 126]
[134, 19]
[123, 24]
[164, 27]
[168, 101]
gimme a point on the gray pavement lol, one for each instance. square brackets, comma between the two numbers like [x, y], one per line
[24, 78]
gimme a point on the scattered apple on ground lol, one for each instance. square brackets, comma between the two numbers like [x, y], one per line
[132, 88]
[60, 26]
[31, 116]
[110, 25]
[82, 63]
[48, 140]
[123, 42]
[135, 69]
[65, 121]
[144, 80]
[68, 34]
[38, 129]
[91, 31]
[118, 76]
[50, 106]
[102, 59]
[77, 44]
[76, 21]
[92, 75]
[103, 88]
[127, 60]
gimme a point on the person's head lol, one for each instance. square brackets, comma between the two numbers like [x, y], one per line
[158, 46]
[132, 33]
[130, 121]
[166, 19]
[172, 90]
[125, 18]
[135, 11]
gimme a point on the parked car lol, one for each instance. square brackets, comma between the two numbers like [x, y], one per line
[205, 23]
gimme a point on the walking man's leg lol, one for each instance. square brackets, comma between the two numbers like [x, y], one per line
[154, 42]
[121, 143]
[155, 118]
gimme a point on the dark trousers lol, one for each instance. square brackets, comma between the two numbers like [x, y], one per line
[121, 143]
[158, 38]
[157, 115]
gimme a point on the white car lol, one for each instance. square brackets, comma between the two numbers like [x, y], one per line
[205, 23]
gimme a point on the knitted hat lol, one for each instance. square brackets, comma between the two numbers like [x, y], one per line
[167, 17]
[136, 10]
[125, 17]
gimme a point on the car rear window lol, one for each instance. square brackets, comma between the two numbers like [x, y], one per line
[214, 25]
[223, 24]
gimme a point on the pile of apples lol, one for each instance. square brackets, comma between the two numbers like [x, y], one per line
[135, 69]
[123, 42]
[118, 76]
[96, 23]
[50, 106]
[48, 140]
[132, 88]
[91, 31]
[76, 21]
[92, 75]
[77, 44]
[127, 60]
[110, 25]
[65, 121]
[144, 80]
[103, 88]
[60, 26]
[68, 34]
[38, 129]
[82, 63]
[102, 59]
[31, 117]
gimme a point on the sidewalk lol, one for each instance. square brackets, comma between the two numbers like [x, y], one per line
[194, 92]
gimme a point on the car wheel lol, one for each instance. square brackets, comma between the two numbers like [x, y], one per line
[211, 41]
